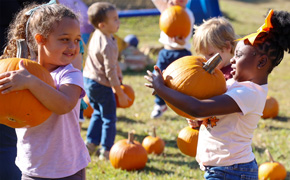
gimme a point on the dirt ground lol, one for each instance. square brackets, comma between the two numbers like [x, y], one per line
[126, 4]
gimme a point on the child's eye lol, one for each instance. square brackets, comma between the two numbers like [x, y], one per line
[65, 39]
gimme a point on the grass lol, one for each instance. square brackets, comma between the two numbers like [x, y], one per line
[274, 134]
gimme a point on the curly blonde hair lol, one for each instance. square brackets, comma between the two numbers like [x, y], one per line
[41, 22]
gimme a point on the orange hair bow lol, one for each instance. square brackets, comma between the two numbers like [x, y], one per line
[264, 28]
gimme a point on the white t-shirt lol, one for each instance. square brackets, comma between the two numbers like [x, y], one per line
[229, 141]
[55, 148]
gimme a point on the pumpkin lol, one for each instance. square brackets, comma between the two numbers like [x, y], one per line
[175, 22]
[153, 144]
[88, 112]
[271, 108]
[128, 154]
[20, 108]
[194, 76]
[187, 141]
[130, 93]
[271, 170]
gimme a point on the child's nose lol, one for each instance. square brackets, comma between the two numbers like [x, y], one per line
[232, 61]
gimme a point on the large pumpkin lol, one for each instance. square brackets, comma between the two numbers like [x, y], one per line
[88, 112]
[130, 93]
[187, 141]
[153, 144]
[190, 75]
[20, 108]
[272, 170]
[175, 22]
[128, 154]
[271, 108]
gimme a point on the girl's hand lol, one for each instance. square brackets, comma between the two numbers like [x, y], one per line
[192, 123]
[15, 80]
[156, 80]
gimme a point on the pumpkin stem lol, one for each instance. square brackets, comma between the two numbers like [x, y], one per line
[131, 137]
[22, 49]
[154, 131]
[269, 155]
[212, 63]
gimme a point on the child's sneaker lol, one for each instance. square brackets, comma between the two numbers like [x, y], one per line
[91, 147]
[104, 155]
[158, 111]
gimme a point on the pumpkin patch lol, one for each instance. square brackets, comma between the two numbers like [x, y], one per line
[153, 144]
[20, 108]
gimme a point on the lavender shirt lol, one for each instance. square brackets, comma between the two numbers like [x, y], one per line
[55, 148]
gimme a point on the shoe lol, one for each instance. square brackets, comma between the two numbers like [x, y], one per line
[104, 155]
[158, 111]
[91, 147]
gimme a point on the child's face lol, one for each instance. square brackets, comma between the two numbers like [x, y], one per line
[225, 53]
[62, 44]
[181, 3]
[245, 62]
[112, 23]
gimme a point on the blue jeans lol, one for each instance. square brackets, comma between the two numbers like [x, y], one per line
[247, 171]
[102, 127]
[166, 57]
[8, 151]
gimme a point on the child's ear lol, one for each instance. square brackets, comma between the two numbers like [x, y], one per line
[263, 61]
[39, 39]
[101, 25]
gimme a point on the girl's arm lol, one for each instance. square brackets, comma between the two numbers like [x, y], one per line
[218, 105]
[59, 101]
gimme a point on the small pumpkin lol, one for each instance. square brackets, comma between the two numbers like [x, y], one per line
[128, 154]
[20, 108]
[194, 76]
[89, 111]
[130, 93]
[153, 144]
[187, 141]
[271, 108]
[272, 170]
[175, 22]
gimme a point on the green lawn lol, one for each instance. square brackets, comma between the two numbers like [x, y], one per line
[246, 16]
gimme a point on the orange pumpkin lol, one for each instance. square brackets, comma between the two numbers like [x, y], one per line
[88, 112]
[153, 144]
[271, 109]
[128, 154]
[272, 170]
[175, 22]
[187, 141]
[20, 108]
[130, 93]
[189, 75]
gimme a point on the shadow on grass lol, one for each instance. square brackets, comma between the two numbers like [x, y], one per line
[283, 119]
[192, 164]
[128, 120]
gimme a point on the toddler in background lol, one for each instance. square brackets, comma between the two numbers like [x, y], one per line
[103, 77]
[174, 48]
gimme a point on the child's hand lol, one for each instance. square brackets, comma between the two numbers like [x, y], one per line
[192, 123]
[15, 80]
[156, 80]
[178, 40]
[123, 99]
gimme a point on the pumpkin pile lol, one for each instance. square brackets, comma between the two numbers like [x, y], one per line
[20, 108]
[194, 76]
[187, 141]
[128, 154]
[175, 22]
[272, 170]
[271, 108]
[153, 144]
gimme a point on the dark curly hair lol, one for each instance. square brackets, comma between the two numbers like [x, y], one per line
[277, 40]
